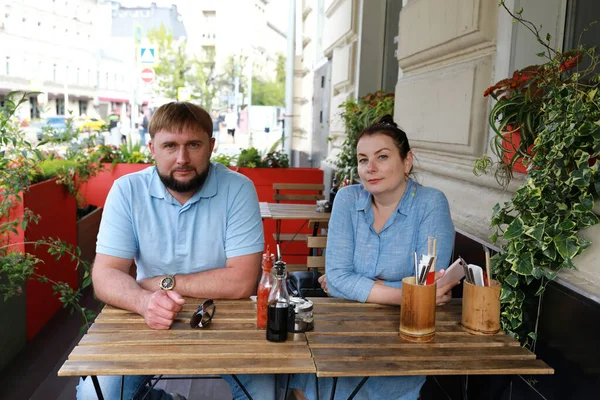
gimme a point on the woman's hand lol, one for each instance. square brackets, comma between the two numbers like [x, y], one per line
[323, 282]
[443, 293]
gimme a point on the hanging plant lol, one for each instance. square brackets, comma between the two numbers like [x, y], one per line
[538, 229]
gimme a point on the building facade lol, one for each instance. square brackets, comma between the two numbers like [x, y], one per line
[54, 48]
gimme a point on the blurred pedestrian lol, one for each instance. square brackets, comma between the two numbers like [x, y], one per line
[231, 120]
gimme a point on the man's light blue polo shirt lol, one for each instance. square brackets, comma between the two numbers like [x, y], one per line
[142, 221]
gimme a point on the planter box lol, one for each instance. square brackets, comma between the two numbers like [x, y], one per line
[96, 189]
[57, 211]
[13, 329]
[87, 232]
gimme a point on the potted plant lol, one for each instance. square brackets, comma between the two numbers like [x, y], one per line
[31, 244]
[114, 162]
[538, 229]
[358, 115]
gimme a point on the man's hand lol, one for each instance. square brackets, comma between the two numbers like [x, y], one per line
[161, 308]
[323, 282]
[444, 293]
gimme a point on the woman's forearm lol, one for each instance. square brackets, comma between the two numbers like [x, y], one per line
[382, 294]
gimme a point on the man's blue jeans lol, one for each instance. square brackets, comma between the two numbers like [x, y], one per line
[260, 387]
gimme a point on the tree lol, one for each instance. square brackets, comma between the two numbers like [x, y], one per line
[232, 69]
[173, 62]
[270, 93]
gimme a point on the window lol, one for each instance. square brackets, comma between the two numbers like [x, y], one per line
[34, 109]
[82, 107]
[580, 14]
[54, 72]
[60, 106]
[7, 66]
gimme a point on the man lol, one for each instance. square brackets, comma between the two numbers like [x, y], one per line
[216, 120]
[231, 120]
[192, 227]
[113, 127]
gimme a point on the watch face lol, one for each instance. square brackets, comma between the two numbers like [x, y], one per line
[167, 283]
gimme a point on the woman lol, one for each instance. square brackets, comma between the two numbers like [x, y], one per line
[374, 231]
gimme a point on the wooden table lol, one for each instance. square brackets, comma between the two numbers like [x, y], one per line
[120, 343]
[349, 339]
[282, 211]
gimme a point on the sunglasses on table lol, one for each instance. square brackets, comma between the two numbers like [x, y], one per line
[203, 315]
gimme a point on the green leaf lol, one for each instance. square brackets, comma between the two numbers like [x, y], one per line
[566, 246]
[515, 229]
[512, 279]
[524, 265]
[536, 232]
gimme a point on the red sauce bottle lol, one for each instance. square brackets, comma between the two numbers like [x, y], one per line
[264, 287]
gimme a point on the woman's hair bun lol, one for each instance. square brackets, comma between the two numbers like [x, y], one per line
[387, 120]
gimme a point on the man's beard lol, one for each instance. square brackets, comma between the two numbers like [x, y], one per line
[184, 187]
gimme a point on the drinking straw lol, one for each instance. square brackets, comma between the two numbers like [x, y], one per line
[488, 266]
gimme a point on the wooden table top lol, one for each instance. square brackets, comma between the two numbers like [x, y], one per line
[349, 339]
[285, 211]
[120, 343]
[355, 339]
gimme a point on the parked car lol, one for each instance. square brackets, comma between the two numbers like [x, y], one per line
[55, 126]
[89, 124]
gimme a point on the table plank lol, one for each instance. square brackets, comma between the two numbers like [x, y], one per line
[286, 211]
[316, 340]
[438, 367]
[209, 366]
[421, 354]
[188, 351]
[198, 336]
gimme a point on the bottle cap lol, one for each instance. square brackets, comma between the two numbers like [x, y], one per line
[279, 268]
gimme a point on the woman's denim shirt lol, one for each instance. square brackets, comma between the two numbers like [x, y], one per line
[357, 255]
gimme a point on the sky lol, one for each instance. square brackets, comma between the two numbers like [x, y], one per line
[277, 10]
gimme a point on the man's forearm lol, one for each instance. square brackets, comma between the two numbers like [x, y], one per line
[119, 289]
[219, 283]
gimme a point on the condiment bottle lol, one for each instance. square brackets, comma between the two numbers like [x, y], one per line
[264, 288]
[278, 305]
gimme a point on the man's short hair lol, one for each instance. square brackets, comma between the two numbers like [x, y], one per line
[178, 116]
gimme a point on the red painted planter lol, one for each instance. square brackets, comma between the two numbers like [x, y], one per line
[96, 189]
[57, 210]
[511, 142]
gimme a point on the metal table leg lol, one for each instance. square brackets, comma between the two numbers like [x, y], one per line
[287, 386]
[242, 387]
[97, 387]
[360, 385]
[333, 388]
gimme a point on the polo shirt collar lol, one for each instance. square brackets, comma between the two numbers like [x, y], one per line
[366, 198]
[209, 189]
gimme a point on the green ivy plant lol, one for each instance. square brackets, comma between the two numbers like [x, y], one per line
[538, 229]
[358, 115]
[21, 165]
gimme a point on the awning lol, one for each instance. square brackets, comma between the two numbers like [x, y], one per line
[113, 100]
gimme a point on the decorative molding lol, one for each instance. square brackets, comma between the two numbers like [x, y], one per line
[307, 10]
[427, 36]
[300, 100]
[460, 168]
[344, 19]
[306, 41]
[342, 67]
[301, 73]
[332, 6]
[444, 109]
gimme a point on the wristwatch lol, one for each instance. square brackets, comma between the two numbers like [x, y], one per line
[168, 282]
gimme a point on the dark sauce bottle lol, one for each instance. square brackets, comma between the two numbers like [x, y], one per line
[279, 304]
